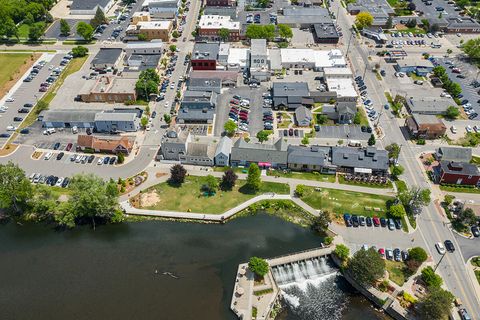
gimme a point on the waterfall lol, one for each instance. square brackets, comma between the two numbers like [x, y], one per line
[310, 289]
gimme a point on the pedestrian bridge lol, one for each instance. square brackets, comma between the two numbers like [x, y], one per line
[299, 256]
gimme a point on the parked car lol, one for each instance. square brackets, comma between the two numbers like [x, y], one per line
[391, 224]
[355, 221]
[60, 155]
[449, 245]
[397, 254]
[376, 221]
[369, 221]
[398, 223]
[381, 251]
[404, 255]
[475, 231]
[440, 248]
[361, 220]
[389, 254]
[383, 222]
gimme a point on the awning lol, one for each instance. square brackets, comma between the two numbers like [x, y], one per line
[362, 170]
[264, 164]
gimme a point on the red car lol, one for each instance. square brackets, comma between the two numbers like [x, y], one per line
[376, 221]
[69, 146]
[243, 112]
[235, 102]
[381, 251]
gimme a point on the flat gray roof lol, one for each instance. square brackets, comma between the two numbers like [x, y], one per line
[107, 55]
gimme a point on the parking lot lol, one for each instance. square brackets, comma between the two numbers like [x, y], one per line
[26, 93]
[255, 111]
[54, 30]
[352, 132]
[431, 11]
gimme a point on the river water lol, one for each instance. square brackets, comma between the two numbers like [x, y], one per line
[110, 273]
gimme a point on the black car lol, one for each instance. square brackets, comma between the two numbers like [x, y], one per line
[398, 223]
[355, 221]
[449, 245]
[60, 155]
[89, 131]
[285, 132]
[154, 114]
[23, 110]
[106, 160]
[396, 254]
[295, 132]
[28, 105]
[4, 135]
[24, 131]
[316, 127]
[475, 231]
[90, 158]
[364, 129]
[369, 221]
[112, 160]
[464, 101]
[65, 182]
[17, 119]
[362, 88]
[473, 116]
[56, 146]
[358, 78]
[404, 255]
[369, 129]
[383, 222]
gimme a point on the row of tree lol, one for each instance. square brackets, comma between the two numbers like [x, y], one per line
[453, 88]
[269, 32]
[147, 83]
[90, 199]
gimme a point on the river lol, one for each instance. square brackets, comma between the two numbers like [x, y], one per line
[109, 273]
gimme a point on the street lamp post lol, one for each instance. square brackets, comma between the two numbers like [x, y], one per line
[443, 256]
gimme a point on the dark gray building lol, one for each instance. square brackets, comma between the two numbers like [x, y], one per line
[313, 158]
[173, 145]
[205, 85]
[197, 107]
[107, 58]
[265, 155]
[289, 95]
[367, 160]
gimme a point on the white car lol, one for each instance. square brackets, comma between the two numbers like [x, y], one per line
[440, 248]
[172, 86]
[453, 129]
[10, 99]
[100, 161]
[469, 128]
[59, 182]
[11, 128]
[167, 104]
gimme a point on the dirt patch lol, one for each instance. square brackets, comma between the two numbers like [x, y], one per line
[160, 174]
[149, 199]
[19, 73]
[9, 148]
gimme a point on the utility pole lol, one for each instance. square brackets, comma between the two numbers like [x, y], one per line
[349, 40]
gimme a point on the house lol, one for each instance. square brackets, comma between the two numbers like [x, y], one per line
[117, 122]
[209, 28]
[464, 24]
[455, 154]
[205, 56]
[107, 58]
[289, 95]
[264, 155]
[174, 145]
[425, 126]
[341, 112]
[205, 85]
[108, 145]
[163, 9]
[222, 153]
[197, 107]
[89, 7]
[199, 154]
[151, 30]
[303, 116]
[369, 160]
[313, 158]
[462, 173]
[421, 67]
[428, 105]
[109, 89]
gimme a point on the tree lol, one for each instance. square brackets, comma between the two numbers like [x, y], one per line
[85, 31]
[42, 105]
[430, 278]
[224, 34]
[255, 31]
[120, 158]
[98, 19]
[411, 6]
[79, 51]
[175, 34]
[253, 179]
[229, 179]
[439, 71]
[425, 24]
[167, 118]
[452, 113]
[144, 122]
[263, 135]
[414, 199]
[305, 140]
[342, 252]
[211, 184]
[92, 200]
[35, 31]
[64, 28]
[467, 217]
[363, 20]
[371, 140]
[230, 127]
[258, 266]
[366, 266]
[393, 150]
[285, 31]
[322, 119]
[454, 89]
[147, 83]
[173, 48]
[448, 199]
[472, 48]
[397, 171]
[436, 304]
[15, 188]
[299, 190]
[321, 222]
[411, 23]
[449, 51]
[397, 211]
[417, 254]
[357, 118]
[177, 174]
[389, 23]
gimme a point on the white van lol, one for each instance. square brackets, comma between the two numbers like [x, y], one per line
[48, 156]
[74, 130]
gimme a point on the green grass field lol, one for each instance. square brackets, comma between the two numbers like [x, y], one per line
[10, 63]
[189, 197]
[303, 175]
[341, 201]
[397, 271]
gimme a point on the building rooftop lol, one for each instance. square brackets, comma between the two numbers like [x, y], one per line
[313, 155]
[110, 84]
[201, 150]
[88, 4]
[115, 116]
[144, 45]
[456, 154]
[426, 119]
[429, 105]
[208, 51]
[325, 29]
[303, 114]
[218, 22]
[320, 58]
[369, 158]
[342, 86]
[107, 56]
[412, 61]
[224, 146]
[256, 152]
[462, 23]
[463, 168]
[195, 114]
[158, 24]
[68, 115]
[258, 47]
[238, 57]
[204, 83]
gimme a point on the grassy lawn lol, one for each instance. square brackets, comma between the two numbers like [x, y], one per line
[341, 201]
[303, 175]
[23, 30]
[189, 197]
[74, 65]
[412, 30]
[460, 189]
[235, 169]
[415, 77]
[10, 63]
[401, 185]
[475, 262]
[397, 271]
[388, 185]
[477, 274]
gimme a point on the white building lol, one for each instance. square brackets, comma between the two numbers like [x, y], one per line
[259, 60]
[151, 47]
[163, 9]
[237, 58]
